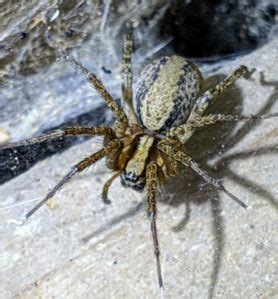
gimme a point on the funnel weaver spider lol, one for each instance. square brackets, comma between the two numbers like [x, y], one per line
[145, 143]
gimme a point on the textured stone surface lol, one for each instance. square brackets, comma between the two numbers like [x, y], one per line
[223, 250]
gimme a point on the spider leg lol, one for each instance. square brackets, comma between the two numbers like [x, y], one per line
[187, 161]
[122, 121]
[107, 186]
[151, 187]
[75, 170]
[201, 121]
[204, 100]
[217, 184]
[127, 77]
[66, 132]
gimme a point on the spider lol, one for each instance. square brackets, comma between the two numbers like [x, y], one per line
[146, 142]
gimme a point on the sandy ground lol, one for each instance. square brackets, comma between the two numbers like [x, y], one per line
[81, 248]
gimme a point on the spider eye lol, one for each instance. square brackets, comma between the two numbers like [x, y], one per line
[132, 181]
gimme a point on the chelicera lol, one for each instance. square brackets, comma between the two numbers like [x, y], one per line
[145, 144]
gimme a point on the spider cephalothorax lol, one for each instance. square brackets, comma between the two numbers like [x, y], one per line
[146, 141]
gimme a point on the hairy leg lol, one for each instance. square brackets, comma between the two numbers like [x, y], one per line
[151, 187]
[67, 132]
[187, 161]
[122, 121]
[106, 187]
[201, 121]
[75, 170]
[127, 77]
[204, 100]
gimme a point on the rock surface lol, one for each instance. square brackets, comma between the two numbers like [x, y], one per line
[81, 248]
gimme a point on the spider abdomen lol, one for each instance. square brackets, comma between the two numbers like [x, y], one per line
[166, 92]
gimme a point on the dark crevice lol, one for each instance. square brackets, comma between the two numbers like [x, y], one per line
[15, 161]
[206, 29]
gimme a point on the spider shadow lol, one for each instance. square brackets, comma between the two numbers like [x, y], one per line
[223, 163]
[200, 140]
[207, 144]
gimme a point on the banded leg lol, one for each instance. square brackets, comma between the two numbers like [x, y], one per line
[151, 187]
[67, 132]
[127, 77]
[201, 121]
[75, 170]
[187, 161]
[204, 100]
[122, 121]
[104, 194]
